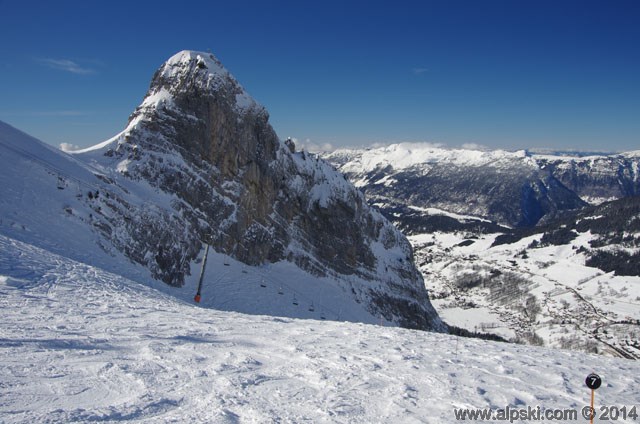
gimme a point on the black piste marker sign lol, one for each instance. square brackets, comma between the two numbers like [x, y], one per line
[593, 381]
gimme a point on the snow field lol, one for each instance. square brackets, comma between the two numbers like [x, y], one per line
[78, 344]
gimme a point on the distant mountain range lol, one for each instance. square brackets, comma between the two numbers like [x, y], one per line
[538, 248]
[516, 189]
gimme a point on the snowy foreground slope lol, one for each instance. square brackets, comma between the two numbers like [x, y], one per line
[78, 344]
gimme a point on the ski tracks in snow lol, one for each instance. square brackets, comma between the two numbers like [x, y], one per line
[78, 344]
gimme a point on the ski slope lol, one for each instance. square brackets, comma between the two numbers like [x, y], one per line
[79, 344]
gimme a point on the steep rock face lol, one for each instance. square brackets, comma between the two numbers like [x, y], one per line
[512, 188]
[228, 180]
[597, 178]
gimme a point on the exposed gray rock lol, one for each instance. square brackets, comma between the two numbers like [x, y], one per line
[597, 178]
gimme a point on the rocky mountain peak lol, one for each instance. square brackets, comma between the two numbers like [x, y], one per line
[201, 140]
[194, 104]
[188, 70]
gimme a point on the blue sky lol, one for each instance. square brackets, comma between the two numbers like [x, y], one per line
[503, 74]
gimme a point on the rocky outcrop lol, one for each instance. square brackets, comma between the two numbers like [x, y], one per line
[597, 178]
[207, 146]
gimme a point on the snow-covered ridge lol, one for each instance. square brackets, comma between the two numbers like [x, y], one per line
[15, 142]
[407, 155]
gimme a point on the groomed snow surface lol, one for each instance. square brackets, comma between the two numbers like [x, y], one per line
[78, 344]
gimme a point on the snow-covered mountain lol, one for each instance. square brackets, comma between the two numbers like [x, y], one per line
[510, 188]
[78, 344]
[199, 163]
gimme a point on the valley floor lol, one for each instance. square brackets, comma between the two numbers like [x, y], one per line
[78, 344]
[540, 295]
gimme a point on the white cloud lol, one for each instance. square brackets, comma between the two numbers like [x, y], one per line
[419, 71]
[312, 147]
[61, 113]
[66, 65]
[473, 146]
[409, 144]
[47, 113]
[68, 147]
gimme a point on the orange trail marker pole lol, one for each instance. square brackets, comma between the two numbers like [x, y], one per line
[593, 381]
[593, 395]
